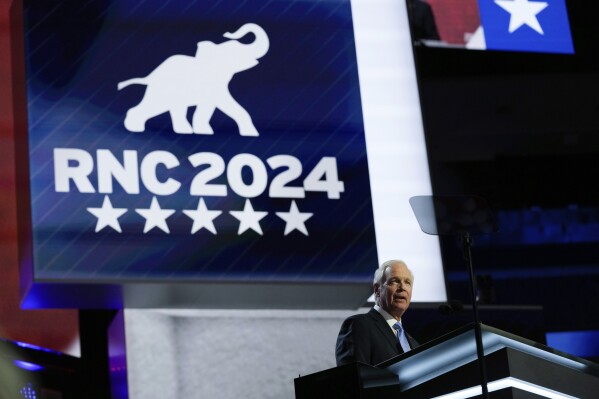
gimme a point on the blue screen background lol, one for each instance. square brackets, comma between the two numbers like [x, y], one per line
[303, 97]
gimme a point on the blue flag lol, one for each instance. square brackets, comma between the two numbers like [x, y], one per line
[526, 25]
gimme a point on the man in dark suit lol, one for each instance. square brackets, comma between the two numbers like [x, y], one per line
[423, 21]
[378, 335]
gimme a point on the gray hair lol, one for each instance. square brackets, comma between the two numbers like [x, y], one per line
[380, 272]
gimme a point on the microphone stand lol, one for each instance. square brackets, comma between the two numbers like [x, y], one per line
[467, 245]
[444, 215]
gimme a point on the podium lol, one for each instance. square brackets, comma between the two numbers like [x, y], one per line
[351, 381]
[446, 368]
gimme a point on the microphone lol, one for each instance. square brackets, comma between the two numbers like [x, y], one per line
[452, 306]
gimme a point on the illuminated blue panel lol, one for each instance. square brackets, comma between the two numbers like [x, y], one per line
[577, 343]
[163, 148]
[526, 25]
[35, 347]
[27, 365]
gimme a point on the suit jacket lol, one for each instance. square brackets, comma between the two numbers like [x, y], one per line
[367, 338]
[423, 21]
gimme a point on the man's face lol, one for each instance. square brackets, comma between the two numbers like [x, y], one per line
[395, 292]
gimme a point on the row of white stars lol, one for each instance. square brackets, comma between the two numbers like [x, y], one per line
[203, 218]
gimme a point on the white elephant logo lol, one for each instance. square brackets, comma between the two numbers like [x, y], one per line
[182, 81]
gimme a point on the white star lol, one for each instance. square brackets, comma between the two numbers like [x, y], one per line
[294, 219]
[523, 12]
[155, 216]
[202, 217]
[107, 215]
[249, 218]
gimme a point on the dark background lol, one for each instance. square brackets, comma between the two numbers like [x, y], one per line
[522, 131]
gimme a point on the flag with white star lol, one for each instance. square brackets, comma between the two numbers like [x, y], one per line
[526, 25]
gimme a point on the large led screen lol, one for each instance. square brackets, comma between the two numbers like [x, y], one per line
[224, 141]
[540, 26]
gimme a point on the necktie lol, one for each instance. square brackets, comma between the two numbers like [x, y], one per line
[401, 336]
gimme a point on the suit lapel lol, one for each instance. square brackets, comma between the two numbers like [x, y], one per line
[385, 330]
[412, 341]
